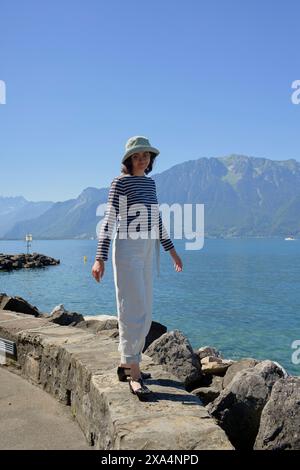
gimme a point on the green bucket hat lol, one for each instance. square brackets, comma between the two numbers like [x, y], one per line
[138, 143]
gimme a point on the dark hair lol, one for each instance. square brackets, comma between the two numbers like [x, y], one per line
[126, 167]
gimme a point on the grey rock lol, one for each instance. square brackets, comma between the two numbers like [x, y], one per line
[209, 380]
[216, 368]
[237, 367]
[217, 382]
[207, 351]
[18, 304]
[207, 359]
[206, 394]
[155, 332]
[280, 420]
[175, 353]
[61, 316]
[28, 260]
[239, 406]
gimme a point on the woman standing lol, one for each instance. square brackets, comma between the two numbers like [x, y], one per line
[132, 255]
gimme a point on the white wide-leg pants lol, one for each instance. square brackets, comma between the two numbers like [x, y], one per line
[133, 277]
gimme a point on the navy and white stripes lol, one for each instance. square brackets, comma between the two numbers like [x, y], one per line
[131, 198]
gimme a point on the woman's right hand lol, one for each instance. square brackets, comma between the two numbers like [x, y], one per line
[98, 270]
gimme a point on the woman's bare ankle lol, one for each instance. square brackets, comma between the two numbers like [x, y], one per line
[135, 372]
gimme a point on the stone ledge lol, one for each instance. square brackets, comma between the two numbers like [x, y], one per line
[79, 368]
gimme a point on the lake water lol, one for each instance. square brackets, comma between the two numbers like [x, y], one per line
[240, 295]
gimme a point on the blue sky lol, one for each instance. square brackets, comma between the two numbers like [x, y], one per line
[198, 78]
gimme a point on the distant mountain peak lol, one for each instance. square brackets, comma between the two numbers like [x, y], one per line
[243, 196]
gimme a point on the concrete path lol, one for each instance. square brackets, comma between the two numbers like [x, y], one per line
[32, 419]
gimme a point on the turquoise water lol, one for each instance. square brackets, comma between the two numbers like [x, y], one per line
[239, 295]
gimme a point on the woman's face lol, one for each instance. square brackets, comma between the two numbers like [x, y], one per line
[140, 160]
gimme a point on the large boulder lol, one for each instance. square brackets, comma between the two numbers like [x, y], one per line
[155, 332]
[239, 406]
[175, 353]
[280, 420]
[237, 367]
[18, 304]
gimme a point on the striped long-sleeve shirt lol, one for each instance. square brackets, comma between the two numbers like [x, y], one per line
[139, 191]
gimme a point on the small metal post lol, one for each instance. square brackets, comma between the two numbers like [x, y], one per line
[28, 239]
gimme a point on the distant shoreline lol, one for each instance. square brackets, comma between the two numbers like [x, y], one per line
[244, 237]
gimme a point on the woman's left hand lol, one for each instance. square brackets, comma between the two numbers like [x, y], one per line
[177, 260]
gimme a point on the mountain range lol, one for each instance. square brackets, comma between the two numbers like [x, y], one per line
[242, 196]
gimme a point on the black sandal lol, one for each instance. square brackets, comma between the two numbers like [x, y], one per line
[143, 392]
[123, 375]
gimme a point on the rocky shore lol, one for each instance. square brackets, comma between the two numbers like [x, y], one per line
[23, 260]
[243, 404]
